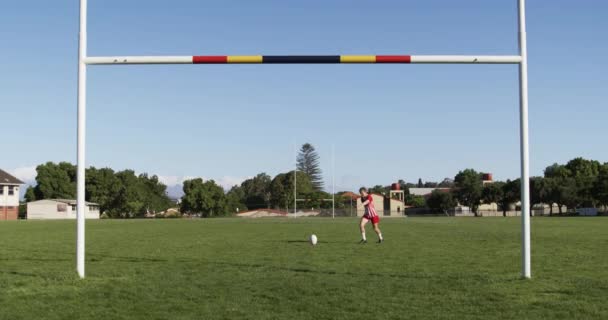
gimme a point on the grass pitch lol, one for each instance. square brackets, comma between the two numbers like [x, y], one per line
[428, 268]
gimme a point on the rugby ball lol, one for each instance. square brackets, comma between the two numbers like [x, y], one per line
[313, 239]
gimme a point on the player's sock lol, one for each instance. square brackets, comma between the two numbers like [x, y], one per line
[363, 236]
[380, 236]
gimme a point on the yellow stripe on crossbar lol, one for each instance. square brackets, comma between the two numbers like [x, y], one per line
[244, 59]
[357, 59]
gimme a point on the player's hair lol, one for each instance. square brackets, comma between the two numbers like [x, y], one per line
[363, 189]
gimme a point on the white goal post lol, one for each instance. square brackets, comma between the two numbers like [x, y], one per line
[521, 60]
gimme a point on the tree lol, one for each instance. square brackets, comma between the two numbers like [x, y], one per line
[540, 193]
[102, 187]
[585, 173]
[154, 194]
[119, 195]
[128, 202]
[55, 181]
[492, 192]
[430, 184]
[282, 189]
[236, 199]
[420, 185]
[561, 187]
[22, 210]
[441, 201]
[257, 191]
[308, 162]
[601, 185]
[468, 188]
[322, 197]
[446, 183]
[561, 191]
[204, 198]
[378, 189]
[416, 201]
[30, 194]
[510, 194]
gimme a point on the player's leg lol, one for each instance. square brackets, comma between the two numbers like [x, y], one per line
[362, 224]
[376, 224]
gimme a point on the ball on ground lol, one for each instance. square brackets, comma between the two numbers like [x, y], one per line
[313, 239]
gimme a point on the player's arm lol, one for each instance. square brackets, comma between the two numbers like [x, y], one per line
[368, 200]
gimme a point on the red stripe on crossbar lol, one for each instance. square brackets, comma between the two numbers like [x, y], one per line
[393, 59]
[210, 59]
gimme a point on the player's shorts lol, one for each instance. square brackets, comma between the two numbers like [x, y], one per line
[374, 219]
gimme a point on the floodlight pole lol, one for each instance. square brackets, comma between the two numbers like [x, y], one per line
[82, 98]
[525, 153]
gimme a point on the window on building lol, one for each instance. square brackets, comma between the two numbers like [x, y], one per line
[11, 190]
[62, 207]
[73, 207]
[1, 190]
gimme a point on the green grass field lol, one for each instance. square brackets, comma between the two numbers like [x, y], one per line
[429, 268]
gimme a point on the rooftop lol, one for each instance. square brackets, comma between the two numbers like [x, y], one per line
[425, 191]
[6, 178]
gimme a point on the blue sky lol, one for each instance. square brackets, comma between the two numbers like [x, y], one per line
[232, 122]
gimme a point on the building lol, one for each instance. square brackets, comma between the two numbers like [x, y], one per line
[9, 196]
[53, 209]
[425, 192]
[486, 178]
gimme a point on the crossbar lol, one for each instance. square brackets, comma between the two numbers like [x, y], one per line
[306, 59]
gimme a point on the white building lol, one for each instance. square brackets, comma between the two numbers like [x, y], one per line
[9, 196]
[59, 209]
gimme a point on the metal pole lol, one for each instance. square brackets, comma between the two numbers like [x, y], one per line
[82, 94]
[295, 182]
[421, 59]
[525, 156]
[333, 181]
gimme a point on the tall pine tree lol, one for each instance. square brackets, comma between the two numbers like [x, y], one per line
[308, 162]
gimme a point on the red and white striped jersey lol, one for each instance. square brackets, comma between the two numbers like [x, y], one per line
[370, 210]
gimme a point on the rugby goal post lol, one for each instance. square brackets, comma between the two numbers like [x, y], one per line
[521, 60]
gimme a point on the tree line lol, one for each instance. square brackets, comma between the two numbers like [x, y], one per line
[121, 194]
[207, 199]
[580, 183]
